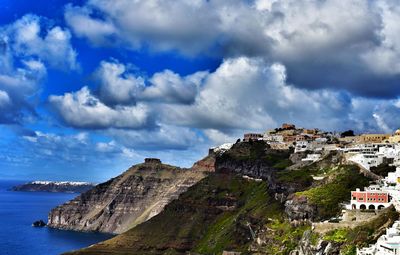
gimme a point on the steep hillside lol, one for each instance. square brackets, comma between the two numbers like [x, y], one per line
[345, 240]
[125, 201]
[221, 212]
[256, 202]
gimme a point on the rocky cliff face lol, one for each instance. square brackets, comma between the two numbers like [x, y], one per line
[125, 201]
[219, 213]
[298, 208]
[256, 201]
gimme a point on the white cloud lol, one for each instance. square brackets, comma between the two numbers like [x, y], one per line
[54, 47]
[165, 137]
[248, 93]
[217, 137]
[97, 31]
[117, 86]
[83, 110]
[170, 87]
[18, 87]
[243, 94]
[322, 44]
[384, 57]
[4, 99]
[27, 47]
[381, 123]
[134, 22]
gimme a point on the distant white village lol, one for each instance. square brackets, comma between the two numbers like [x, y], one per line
[365, 150]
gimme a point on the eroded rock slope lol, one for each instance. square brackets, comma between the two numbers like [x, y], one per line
[123, 202]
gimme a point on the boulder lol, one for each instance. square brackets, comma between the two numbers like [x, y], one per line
[39, 224]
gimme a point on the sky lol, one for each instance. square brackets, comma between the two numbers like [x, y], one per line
[91, 87]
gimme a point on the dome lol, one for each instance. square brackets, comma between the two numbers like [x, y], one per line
[397, 132]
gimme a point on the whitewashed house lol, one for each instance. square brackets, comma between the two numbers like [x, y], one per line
[388, 244]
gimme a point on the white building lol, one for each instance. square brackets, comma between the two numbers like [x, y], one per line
[393, 178]
[372, 198]
[374, 154]
[222, 148]
[302, 146]
[273, 138]
[367, 160]
[312, 157]
[388, 244]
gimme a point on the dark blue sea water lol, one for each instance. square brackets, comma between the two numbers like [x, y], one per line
[17, 212]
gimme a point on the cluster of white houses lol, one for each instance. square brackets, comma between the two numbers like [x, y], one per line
[387, 244]
[367, 151]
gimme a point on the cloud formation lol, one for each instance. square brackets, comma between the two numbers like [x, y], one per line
[31, 37]
[351, 45]
[242, 94]
[27, 47]
[119, 85]
[83, 110]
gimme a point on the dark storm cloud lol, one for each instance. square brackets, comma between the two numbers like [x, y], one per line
[351, 45]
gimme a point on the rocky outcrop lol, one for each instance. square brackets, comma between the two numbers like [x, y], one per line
[125, 201]
[51, 186]
[205, 165]
[38, 224]
[322, 247]
[298, 208]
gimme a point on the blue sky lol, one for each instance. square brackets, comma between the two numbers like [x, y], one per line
[88, 88]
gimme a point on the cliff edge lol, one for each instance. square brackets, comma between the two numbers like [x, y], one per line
[125, 201]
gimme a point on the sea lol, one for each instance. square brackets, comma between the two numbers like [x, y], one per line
[18, 210]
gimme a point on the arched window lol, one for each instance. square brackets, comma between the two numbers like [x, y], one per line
[371, 207]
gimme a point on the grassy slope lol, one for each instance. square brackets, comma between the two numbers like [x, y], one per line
[197, 222]
[328, 196]
[257, 151]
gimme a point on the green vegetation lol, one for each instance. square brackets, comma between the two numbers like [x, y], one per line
[230, 230]
[350, 239]
[257, 151]
[383, 169]
[283, 164]
[283, 237]
[301, 177]
[328, 196]
[212, 216]
[338, 236]
[223, 211]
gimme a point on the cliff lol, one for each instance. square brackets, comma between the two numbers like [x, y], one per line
[223, 212]
[51, 186]
[257, 201]
[126, 200]
[219, 213]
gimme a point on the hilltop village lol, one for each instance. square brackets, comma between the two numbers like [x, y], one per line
[368, 151]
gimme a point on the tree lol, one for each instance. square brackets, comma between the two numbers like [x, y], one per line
[347, 133]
